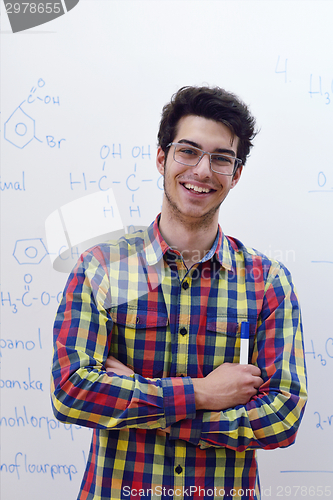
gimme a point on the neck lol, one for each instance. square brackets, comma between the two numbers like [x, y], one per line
[192, 239]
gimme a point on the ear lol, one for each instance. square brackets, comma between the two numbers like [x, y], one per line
[160, 160]
[236, 177]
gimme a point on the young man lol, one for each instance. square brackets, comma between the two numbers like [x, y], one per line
[148, 335]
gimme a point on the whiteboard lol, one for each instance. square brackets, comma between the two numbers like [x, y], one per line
[82, 97]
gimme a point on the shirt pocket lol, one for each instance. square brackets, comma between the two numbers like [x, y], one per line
[222, 344]
[141, 340]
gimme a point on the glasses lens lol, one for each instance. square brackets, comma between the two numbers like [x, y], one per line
[186, 154]
[223, 164]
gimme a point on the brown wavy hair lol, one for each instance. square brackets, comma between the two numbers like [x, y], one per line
[212, 103]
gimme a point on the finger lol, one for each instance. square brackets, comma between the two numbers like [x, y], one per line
[255, 370]
[116, 366]
[258, 382]
[161, 432]
[112, 365]
[120, 372]
[112, 362]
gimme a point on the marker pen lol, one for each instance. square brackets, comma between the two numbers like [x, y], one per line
[244, 347]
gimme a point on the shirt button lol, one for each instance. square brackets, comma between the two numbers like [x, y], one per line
[185, 285]
[179, 469]
[183, 331]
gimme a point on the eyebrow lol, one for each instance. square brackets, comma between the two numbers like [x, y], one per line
[218, 150]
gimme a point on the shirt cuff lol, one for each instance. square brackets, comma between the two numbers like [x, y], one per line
[178, 399]
[188, 430]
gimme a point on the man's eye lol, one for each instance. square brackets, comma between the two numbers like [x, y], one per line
[227, 160]
[189, 151]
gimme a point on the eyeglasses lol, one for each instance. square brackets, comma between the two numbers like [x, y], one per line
[220, 163]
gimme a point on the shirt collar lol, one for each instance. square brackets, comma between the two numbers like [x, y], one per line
[155, 247]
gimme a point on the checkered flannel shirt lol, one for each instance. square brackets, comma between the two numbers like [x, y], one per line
[136, 300]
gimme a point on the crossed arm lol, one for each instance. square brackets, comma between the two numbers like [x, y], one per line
[225, 387]
[223, 409]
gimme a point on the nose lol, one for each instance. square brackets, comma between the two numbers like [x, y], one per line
[202, 169]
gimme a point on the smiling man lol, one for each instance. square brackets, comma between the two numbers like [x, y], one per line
[147, 338]
[196, 182]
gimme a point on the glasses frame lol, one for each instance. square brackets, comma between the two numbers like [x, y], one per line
[237, 161]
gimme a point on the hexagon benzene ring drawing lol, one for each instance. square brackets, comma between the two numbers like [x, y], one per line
[19, 129]
[30, 251]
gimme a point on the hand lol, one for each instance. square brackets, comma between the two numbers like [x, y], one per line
[113, 365]
[163, 432]
[227, 386]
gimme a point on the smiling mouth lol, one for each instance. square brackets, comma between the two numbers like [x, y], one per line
[196, 189]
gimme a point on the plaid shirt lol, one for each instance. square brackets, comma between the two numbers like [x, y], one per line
[136, 300]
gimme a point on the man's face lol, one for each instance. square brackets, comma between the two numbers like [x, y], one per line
[194, 194]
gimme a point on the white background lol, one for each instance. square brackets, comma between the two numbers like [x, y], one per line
[96, 79]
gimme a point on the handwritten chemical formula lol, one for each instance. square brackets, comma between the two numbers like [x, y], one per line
[324, 182]
[29, 298]
[109, 178]
[20, 127]
[323, 421]
[323, 355]
[318, 87]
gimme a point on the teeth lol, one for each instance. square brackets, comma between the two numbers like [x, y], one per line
[196, 188]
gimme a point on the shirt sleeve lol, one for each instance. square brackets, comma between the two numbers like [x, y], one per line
[271, 418]
[82, 392]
